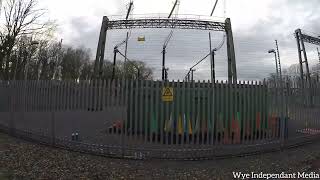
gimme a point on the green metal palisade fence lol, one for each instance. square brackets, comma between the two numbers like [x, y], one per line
[128, 118]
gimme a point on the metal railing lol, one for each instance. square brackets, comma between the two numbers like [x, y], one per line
[161, 119]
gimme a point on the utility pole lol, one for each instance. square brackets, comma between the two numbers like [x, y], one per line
[126, 48]
[318, 65]
[283, 114]
[127, 37]
[212, 53]
[279, 61]
[276, 61]
[188, 77]
[192, 72]
[163, 63]
[211, 58]
[115, 51]
[164, 69]
[318, 55]
[130, 8]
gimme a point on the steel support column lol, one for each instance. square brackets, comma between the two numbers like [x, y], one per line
[115, 51]
[298, 37]
[301, 39]
[302, 50]
[232, 68]
[213, 72]
[164, 64]
[98, 65]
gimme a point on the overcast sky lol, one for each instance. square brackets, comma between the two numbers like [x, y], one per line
[256, 24]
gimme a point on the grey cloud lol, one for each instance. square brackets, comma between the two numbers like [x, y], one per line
[85, 33]
[186, 47]
[80, 25]
[121, 6]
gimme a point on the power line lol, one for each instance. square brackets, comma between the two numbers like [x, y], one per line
[214, 7]
[164, 69]
[130, 9]
[197, 64]
[211, 53]
[173, 8]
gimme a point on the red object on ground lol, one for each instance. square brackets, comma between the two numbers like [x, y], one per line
[258, 121]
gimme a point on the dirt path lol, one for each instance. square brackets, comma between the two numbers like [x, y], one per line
[24, 160]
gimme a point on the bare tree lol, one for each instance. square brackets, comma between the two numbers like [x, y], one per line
[136, 70]
[22, 17]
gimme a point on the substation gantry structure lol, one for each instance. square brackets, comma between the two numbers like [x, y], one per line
[164, 22]
[303, 38]
[306, 83]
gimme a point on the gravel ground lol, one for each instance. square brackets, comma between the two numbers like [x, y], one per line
[24, 160]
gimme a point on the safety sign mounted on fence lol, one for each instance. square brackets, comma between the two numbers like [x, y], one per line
[167, 94]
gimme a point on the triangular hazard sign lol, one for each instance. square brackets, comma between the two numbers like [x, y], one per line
[167, 92]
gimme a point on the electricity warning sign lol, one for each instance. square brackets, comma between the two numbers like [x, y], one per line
[167, 94]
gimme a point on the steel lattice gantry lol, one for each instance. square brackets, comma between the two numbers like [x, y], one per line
[310, 39]
[303, 59]
[166, 23]
[301, 40]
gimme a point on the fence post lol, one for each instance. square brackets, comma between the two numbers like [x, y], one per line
[11, 101]
[198, 114]
[53, 124]
[23, 104]
[121, 95]
[131, 115]
[282, 114]
[53, 97]
[175, 111]
[286, 120]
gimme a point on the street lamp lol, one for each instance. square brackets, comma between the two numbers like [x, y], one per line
[275, 57]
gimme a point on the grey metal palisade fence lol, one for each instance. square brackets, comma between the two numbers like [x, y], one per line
[128, 118]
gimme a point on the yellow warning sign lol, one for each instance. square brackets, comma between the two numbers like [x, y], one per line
[141, 38]
[167, 94]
